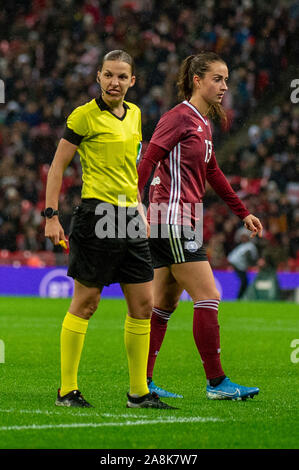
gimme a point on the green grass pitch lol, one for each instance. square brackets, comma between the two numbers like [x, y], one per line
[256, 350]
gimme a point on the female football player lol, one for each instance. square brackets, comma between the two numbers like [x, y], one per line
[181, 150]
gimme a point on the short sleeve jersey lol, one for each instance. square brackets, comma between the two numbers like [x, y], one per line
[108, 147]
[181, 176]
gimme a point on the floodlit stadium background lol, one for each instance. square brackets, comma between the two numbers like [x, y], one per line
[49, 54]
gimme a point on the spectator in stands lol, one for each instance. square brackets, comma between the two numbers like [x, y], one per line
[241, 258]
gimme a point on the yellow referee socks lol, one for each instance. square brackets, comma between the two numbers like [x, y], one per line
[137, 339]
[71, 344]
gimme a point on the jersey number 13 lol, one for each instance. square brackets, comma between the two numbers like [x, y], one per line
[208, 150]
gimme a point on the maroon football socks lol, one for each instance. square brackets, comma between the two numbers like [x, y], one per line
[207, 338]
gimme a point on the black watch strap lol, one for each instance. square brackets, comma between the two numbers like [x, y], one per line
[49, 212]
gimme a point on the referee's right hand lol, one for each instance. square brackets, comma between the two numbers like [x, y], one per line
[54, 231]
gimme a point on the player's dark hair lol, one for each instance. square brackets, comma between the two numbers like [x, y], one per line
[118, 54]
[198, 64]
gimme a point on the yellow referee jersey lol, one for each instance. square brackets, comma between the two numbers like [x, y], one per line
[108, 147]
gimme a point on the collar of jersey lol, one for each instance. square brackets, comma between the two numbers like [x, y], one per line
[104, 107]
[196, 111]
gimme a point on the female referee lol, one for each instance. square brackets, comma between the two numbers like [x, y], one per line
[182, 151]
[107, 134]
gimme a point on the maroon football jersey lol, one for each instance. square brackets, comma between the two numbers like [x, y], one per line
[180, 177]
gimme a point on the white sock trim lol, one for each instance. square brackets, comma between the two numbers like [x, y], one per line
[162, 313]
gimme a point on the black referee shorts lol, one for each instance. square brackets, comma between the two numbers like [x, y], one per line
[102, 252]
[173, 244]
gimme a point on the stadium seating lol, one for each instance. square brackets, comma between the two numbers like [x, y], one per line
[47, 74]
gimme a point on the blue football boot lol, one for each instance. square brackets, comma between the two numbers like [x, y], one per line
[162, 393]
[227, 390]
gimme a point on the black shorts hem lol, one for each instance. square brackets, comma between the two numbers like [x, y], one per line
[100, 285]
[166, 264]
[137, 282]
[90, 284]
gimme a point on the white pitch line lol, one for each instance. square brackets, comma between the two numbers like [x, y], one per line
[127, 415]
[77, 413]
[39, 427]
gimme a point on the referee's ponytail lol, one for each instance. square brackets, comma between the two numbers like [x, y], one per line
[198, 65]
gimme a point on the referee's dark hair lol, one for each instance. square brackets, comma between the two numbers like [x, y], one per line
[123, 56]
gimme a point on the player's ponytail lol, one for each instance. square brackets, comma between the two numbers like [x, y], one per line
[198, 65]
[217, 113]
[184, 85]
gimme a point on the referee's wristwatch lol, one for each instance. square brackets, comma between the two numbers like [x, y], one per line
[49, 212]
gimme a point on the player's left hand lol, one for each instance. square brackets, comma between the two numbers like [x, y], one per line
[253, 224]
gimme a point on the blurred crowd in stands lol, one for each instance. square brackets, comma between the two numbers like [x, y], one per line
[49, 54]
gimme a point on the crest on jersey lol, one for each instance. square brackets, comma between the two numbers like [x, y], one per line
[199, 129]
[191, 246]
[155, 181]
